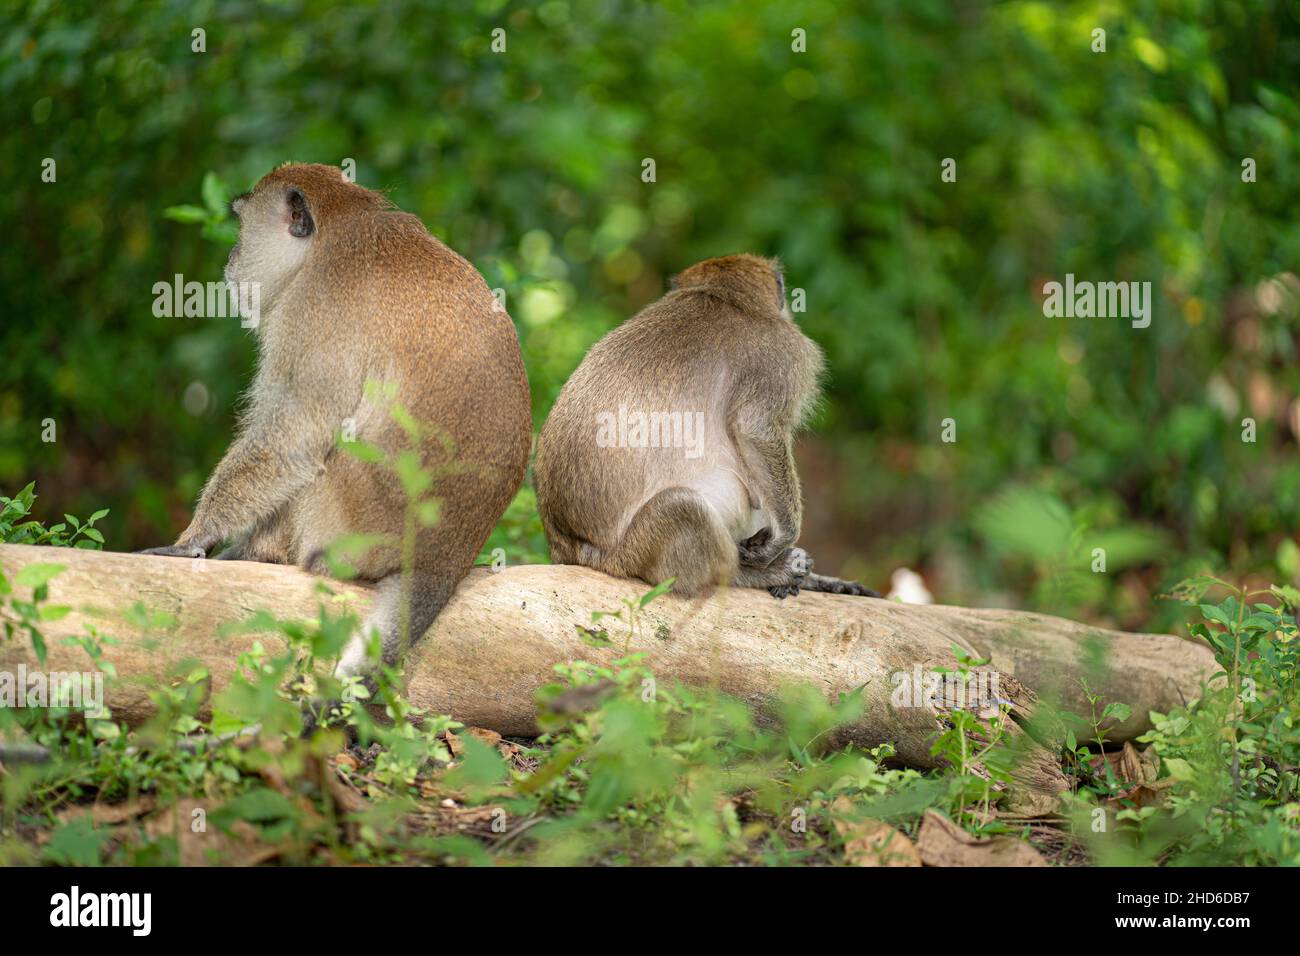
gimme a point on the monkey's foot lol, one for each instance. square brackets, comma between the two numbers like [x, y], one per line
[177, 551]
[757, 550]
[799, 567]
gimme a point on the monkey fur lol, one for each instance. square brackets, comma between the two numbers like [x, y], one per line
[354, 290]
[718, 349]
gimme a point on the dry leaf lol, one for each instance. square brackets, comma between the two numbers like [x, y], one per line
[465, 818]
[482, 734]
[1127, 765]
[110, 814]
[345, 761]
[243, 847]
[489, 737]
[1136, 775]
[943, 843]
[869, 842]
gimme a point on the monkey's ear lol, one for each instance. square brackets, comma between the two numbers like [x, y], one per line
[672, 283]
[780, 285]
[301, 223]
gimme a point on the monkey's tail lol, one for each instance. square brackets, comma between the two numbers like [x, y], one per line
[566, 547]
[832, 585]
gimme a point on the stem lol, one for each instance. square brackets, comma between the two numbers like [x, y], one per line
[408, 575]
[1236, 696]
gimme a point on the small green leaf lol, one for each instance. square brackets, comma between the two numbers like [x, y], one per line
[1190, 590]
[1213, 613]
[76, 843]
[480, 765]
[54, 612]
[1287, 593]
[263, 806]
[363, 451]
[1120, 712]
[185, 213]
[430, 512]
[593, 638]
[215, 195]
[38, 574]
[657, 591]
[415, 480]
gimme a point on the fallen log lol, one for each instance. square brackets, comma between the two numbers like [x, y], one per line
[503, 632]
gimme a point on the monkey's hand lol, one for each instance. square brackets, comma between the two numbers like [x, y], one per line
[177, 551]
[799, 566]
[759, 550]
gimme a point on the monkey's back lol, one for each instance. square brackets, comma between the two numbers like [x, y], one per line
[428, 327]
[688, 353]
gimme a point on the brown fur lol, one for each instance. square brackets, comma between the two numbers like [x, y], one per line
[369, 295]
[720, 345]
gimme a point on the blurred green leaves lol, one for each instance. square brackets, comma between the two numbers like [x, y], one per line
[1068, 558]
[1123, 165]
[214, 214]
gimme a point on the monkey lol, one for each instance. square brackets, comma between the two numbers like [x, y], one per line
[353, 291]
[669, 452]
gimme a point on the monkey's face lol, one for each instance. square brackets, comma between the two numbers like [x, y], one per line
[276, 232]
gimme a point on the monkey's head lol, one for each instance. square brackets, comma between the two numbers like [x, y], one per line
[285, 216]
[752, 278]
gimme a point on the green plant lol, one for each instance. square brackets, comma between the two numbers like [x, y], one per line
[69, 533]
[1230, 760]
[1085, 764]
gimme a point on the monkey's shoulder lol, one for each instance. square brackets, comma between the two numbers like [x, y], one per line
[392, 254]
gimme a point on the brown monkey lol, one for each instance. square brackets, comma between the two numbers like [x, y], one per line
[669, 454]
[353, 290]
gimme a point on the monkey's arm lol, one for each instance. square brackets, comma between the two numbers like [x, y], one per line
[771, 477]
[277, 454]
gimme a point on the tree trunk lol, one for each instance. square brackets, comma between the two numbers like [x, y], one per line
[501, 635]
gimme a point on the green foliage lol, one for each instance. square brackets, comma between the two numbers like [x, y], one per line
[69, 533]
[626, 771]
[924, 294]
[214, 214]
[27, 616]
[1227, 789]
